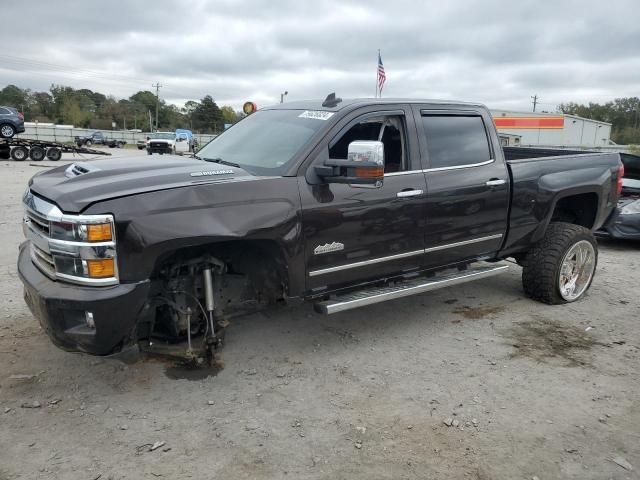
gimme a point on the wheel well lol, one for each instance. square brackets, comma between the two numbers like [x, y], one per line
[578, 209]
[262, 261]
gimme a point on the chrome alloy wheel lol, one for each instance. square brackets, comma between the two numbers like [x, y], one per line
[7, 131]
[576, 270]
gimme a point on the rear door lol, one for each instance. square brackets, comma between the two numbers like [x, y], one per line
[356, 233]
[467, 184]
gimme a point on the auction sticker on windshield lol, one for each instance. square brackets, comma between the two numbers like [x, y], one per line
[317, 114]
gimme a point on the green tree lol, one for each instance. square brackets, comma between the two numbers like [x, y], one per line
[12, 96]
[42, 107]
[622, 113]
[207, 117]
[229, 115]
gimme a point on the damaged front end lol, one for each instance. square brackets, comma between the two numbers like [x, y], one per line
[192, 299]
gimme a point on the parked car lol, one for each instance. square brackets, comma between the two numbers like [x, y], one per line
[167, 142]
[142, 144]
[11, 122]
[624, 222]
[340, 203]
[99, 138]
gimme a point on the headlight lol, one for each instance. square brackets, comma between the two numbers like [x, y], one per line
[79, 232]
[75, 248]
[631, 208]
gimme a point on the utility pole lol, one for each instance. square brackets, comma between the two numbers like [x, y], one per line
[535, 102]
[157, 87]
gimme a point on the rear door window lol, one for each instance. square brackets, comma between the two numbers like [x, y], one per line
[456, 140]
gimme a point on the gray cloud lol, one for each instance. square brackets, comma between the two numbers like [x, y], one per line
[490, 51]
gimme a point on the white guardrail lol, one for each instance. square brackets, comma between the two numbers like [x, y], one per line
[67, 133]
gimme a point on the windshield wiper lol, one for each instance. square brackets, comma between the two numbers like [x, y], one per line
[223, 162]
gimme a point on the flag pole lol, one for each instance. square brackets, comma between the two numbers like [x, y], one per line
[377, 60]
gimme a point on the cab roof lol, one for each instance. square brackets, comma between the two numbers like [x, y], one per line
[350, 103]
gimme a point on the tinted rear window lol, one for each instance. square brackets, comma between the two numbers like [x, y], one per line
[455, 140]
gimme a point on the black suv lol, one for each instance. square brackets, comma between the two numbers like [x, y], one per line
[11, 122]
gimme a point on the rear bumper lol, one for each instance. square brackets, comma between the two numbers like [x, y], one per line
[62, 310]
[20, 128]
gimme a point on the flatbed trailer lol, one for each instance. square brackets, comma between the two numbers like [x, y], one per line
[20, 149]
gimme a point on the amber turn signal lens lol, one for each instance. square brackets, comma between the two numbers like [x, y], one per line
[101, 268]
[369, 172]
[99, 232]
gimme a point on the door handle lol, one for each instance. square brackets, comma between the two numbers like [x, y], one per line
[409, 193]
[494, 182]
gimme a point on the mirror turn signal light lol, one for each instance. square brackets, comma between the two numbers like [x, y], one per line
[102, 268]
[99, 232]
[369, 172]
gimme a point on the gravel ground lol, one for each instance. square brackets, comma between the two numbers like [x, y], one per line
[531, 391]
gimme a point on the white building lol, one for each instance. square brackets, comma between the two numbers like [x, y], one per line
[547, 129]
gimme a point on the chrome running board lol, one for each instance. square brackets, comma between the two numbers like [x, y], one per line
[370, 296]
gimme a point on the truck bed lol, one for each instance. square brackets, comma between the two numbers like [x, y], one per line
[542, 177]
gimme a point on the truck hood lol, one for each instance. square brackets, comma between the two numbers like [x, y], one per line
[76, 186]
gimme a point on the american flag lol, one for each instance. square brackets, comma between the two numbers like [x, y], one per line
[381, 75]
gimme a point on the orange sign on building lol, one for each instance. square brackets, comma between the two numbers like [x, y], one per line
[529, 122]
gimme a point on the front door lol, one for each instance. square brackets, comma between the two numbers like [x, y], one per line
[467, 183]
[359, 233]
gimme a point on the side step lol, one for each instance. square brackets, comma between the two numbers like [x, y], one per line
[370, 296]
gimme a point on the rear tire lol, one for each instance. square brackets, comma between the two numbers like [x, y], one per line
[37, 153]
[88, 143]
[54, 154]
[560, 267]
[7, 131]
[19, 154]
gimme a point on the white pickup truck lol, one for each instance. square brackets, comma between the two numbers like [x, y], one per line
[167, 142]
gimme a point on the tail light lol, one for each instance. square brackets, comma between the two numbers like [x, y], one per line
[20, 116]
[620, 177]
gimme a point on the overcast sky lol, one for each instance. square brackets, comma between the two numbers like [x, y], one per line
[497, 52]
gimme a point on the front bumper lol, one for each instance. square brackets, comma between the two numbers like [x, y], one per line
[623, 226]
[62, 308]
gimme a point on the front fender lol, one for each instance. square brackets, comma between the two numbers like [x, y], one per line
[151, 225]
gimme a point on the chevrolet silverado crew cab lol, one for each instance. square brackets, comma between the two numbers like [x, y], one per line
[340, 203]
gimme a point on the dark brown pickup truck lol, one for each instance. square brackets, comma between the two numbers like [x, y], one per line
[341, 203]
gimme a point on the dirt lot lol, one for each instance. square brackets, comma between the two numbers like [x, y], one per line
[531, 391]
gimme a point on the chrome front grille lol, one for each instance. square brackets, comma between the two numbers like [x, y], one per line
[39, 223]
[43, 260]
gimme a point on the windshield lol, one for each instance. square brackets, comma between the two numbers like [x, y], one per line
[265, 142]
[164, 136]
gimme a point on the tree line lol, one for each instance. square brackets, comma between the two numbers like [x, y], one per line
[622, 113]
[88, 109]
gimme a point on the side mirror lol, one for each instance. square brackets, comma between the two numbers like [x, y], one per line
[364, 165]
